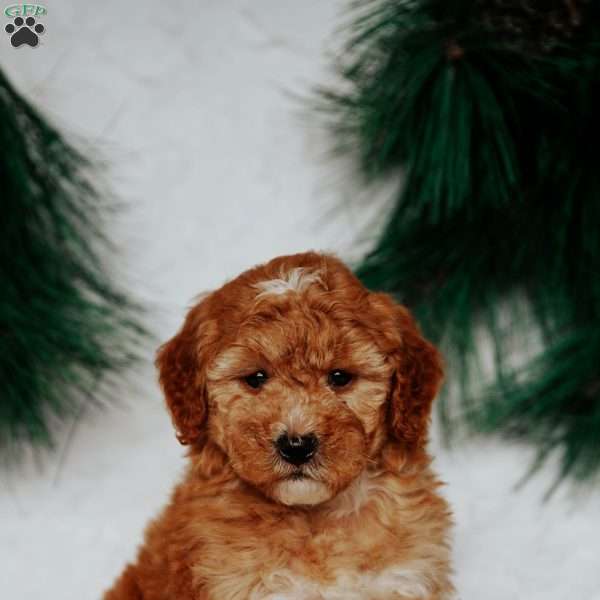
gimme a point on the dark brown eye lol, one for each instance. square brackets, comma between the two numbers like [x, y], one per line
[256, 379]
[339, 378]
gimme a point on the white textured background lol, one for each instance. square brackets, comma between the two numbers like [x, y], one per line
[192, 102]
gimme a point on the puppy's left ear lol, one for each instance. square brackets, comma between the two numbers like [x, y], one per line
[182, 364]
[418, 371]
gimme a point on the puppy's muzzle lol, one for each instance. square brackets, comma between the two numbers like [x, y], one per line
[297, 449]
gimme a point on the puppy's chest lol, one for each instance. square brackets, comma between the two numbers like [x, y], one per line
[354, 559]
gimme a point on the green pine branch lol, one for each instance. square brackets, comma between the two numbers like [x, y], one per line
[490, 110]
[66, 331]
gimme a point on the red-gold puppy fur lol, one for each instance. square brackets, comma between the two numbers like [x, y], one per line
[305, 401]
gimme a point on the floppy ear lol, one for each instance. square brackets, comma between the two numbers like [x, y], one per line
[182, 363]
[417, 376]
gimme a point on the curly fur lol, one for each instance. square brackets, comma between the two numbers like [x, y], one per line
[363, 518]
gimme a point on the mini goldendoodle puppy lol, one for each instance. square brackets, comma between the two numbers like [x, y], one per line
[305, 401]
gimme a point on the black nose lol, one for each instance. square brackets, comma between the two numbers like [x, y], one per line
[297, 449]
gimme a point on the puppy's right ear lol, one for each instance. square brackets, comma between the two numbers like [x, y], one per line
[182, 364]
[418, 370]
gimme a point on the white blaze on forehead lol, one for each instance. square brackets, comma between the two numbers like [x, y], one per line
[295, 280]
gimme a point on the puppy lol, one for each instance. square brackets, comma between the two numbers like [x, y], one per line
[305, 402]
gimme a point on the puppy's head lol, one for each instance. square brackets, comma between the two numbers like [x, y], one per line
[300, 375]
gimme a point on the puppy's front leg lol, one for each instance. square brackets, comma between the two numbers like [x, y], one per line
[126, 587]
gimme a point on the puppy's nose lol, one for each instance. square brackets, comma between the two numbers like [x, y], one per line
[297, 449]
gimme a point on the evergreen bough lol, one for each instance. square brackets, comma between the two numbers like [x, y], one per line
[491, 109]
[65, 331]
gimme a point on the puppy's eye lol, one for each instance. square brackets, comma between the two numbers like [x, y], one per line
[339, 378]
[257, 379]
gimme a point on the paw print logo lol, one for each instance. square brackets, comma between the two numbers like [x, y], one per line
[24, 32]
